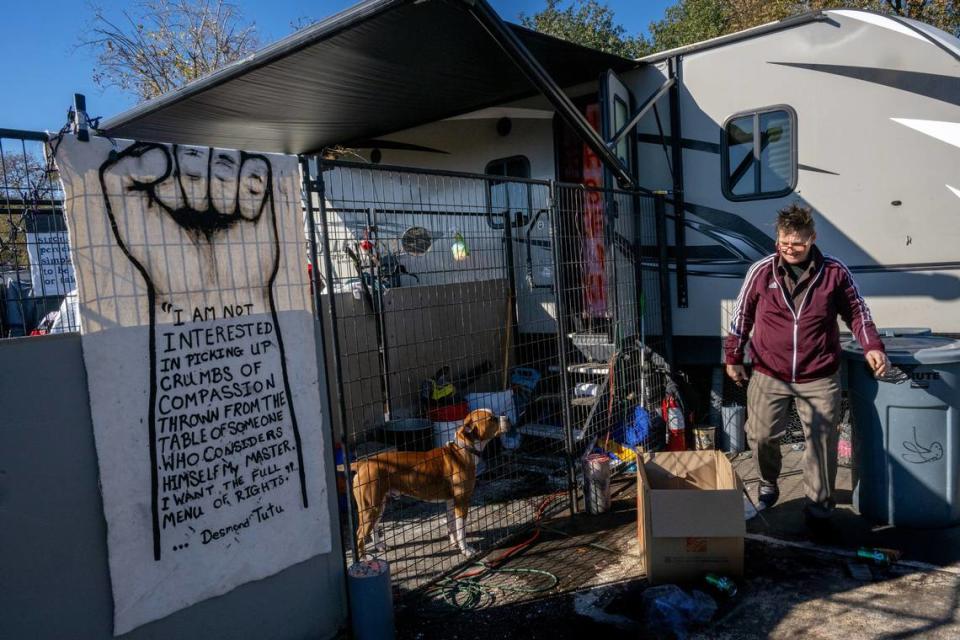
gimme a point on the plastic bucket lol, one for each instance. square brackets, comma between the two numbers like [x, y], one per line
[448, 413]
[444, 432]
[511, 439]
[500, 402]
[371, 600]
[596, 483]
[734, 437]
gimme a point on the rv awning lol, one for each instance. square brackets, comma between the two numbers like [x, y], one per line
[379, 67]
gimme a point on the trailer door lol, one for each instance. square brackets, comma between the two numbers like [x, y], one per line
[617, 105]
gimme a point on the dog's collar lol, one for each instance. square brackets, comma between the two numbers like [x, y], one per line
[469, 447]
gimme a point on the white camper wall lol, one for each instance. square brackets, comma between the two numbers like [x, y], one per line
[470, 143]
[467, 144]
[875, 162]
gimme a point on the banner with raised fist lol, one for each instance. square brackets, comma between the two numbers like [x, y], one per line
[198, 342]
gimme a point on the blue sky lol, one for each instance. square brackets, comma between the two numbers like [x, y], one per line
[43, 68]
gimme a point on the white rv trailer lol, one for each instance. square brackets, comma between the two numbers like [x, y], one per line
[853, 113]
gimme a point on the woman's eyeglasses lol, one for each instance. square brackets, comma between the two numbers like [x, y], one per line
[793, 246]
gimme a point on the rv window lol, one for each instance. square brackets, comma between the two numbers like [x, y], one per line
[512, 167]
[742, 168]
[759, 154]
[776, 157]
[620, 114]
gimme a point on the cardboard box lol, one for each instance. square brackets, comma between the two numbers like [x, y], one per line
[690, 517]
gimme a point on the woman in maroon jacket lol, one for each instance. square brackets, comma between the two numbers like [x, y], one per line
[787, 309]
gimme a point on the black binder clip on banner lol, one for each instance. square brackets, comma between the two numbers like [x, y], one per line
[80, 120]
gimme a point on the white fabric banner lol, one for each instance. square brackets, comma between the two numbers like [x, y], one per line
[198, 341]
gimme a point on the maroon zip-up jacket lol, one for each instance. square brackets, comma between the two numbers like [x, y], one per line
[798, 344]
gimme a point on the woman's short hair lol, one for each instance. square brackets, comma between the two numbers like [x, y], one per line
[795, 218]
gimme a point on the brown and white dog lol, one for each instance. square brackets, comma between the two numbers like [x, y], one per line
[445, 474]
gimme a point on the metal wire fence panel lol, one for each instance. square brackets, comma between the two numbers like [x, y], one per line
[452, 294]
[611, 295]
[440, 289]
[36, 276]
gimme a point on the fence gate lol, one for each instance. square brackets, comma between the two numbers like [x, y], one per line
[445, 292]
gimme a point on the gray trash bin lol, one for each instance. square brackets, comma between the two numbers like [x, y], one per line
[906, 436]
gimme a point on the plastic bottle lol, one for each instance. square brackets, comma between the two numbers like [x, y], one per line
[723, 584]
[882, 557]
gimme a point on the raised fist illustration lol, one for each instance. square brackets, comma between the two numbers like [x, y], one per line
[200, 226]
[194, 220]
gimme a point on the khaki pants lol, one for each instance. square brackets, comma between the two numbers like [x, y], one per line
[818, 405]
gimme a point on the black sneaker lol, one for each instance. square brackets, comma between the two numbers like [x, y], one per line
[822, 511]
[819, 524]
[767, 495]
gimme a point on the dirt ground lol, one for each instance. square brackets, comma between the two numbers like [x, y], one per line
[583, 575]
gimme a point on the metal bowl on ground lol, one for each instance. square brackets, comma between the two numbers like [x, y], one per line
[409, 434]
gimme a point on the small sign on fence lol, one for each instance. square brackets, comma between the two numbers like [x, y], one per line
[51, 272]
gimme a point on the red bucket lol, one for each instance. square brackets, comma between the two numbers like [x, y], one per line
[448, 413]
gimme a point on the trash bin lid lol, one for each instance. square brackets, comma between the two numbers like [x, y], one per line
[916, 349]
[892, 332]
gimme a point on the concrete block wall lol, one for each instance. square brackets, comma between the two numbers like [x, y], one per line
[55, 581]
